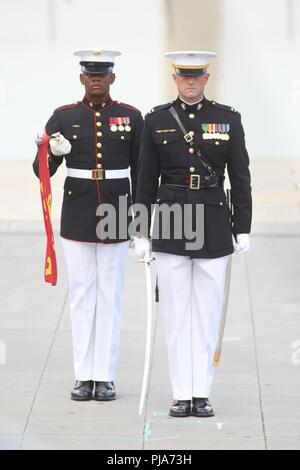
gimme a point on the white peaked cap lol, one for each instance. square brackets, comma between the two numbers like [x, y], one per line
[96, 55]
[190, 60]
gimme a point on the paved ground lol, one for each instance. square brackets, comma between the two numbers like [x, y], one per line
[257, 387]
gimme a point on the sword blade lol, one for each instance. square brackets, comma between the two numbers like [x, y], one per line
[218, 350]
[148, 337]
[148, 352]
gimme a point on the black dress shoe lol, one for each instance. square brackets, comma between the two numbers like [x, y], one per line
[104, 391]
[83, 390]
[202, 408]
[180, 408]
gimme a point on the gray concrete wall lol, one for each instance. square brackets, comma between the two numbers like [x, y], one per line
[39, 73]
[191, 25]
[257, 70]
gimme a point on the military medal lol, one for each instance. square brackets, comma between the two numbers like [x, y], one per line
[226, 128]
[120, 124]
[214, 134]
[219, 130]
[127, 126]
[205, 133]
[113, 124]
[221, 127]
[216, 131]
[209, 136]
[209, 131]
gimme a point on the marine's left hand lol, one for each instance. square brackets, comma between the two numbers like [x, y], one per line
[242, 244]
[142, 248]
[59, 145]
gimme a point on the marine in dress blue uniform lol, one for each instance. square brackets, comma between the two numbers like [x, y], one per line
[101, 138]
[191, 280]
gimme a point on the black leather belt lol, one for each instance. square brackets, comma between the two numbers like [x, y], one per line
[193, 181]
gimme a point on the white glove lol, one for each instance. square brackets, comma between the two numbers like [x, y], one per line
[242, 244]
[142, 248]
[59, 145]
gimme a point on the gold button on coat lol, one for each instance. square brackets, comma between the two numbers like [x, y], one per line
[99, 134]
[98, 124]
[191, 116]
[192, 169]
[99, 165]
[191, 150]
[99, 145]
[99, 155]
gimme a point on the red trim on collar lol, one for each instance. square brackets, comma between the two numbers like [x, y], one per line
[97, 110]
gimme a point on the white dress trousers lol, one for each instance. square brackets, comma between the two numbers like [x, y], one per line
[191, 294]
[96, 275]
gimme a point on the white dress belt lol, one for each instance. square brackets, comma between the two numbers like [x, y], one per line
[97, 174]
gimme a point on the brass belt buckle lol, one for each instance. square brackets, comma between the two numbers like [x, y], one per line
[195, 181]
[98, 174]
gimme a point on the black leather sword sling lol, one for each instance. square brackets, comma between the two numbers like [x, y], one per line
[190, 140]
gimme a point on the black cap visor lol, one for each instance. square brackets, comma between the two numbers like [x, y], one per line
[193, 71]
[96, 67]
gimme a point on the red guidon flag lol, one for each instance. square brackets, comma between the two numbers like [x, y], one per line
[50, 274]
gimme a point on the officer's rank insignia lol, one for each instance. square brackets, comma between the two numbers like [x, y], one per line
[215, 131]
[119, 124]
